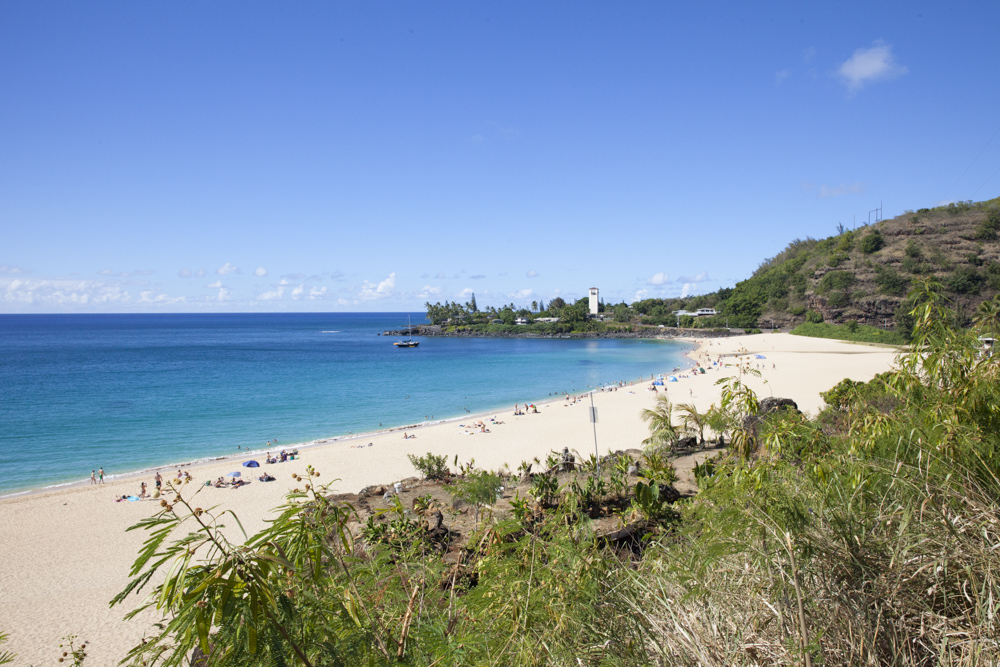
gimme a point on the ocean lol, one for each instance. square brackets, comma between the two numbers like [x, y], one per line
[129, 392]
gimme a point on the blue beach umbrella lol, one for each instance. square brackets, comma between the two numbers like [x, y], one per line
[760, 356]
[233, 474]
[251, 464]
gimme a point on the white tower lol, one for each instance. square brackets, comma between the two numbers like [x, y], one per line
[593, 300]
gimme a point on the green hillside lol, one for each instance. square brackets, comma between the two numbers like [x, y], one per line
[861, 275]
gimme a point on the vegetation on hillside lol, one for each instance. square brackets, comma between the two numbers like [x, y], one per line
[864, 274]
[867, 535]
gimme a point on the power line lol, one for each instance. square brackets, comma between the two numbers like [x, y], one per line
[985, 182]
[973, 162]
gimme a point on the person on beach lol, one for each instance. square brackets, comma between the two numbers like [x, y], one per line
[158, 480]
[100, 475]
[142, 490]
[93, 477]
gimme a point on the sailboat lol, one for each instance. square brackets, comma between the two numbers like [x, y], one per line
[409, 342]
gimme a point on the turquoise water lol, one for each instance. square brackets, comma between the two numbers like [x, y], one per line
[126, 392]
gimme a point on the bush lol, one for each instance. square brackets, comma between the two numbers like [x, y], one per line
[965, 280]
[431, 466]
[797, 311]
[814, 316]
[838, 300]
[873, 242]
[835, 280]
[889, 281]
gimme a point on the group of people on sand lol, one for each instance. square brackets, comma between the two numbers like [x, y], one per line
[235, 484]
[527, 407]
[143, 489]
[281, 457]
[97, 477]
[479, 426]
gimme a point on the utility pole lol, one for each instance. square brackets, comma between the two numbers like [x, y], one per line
[593, 420]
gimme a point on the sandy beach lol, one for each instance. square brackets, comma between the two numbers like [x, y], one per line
[66, 553]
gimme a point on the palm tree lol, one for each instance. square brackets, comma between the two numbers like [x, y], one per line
[661, 427]
[694, 422]
[988, 315]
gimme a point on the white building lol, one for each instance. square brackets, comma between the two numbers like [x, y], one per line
[593, 301]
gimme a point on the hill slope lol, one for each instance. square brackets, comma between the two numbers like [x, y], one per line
[863, 275]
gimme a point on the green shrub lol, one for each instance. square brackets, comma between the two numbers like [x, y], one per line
[814, 316]
[834, 280]
[836, 260]
[431, 466]
[872, 242]
[889, 281]
[838, 299]
[965, 280]
[797, 311]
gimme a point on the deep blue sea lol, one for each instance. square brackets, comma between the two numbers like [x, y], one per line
[127, 392]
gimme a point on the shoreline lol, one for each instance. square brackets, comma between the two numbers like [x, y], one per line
[201, 463]
[67, 552]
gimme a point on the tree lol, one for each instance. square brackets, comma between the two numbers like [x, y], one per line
[557, 303]
[661, 427]
[694, 422]
[473, 308]
[988, 316]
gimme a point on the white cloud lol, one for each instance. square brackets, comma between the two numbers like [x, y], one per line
[427, 292]
[465, 294]
[272, 295]
[216, 285]
[12, 270]
[640, 295]
[532, 274]
[151, 296]
[658, 279]
[224, 294]
[61, 292]
[384, 289]
[260, 272]
[106, 272]
[700, 278]
[298, 292]
[520, 294]
[687, 289]
[317, 292]
[872, 64]
[226, 269]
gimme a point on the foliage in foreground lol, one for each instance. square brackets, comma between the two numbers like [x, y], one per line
[868, 536]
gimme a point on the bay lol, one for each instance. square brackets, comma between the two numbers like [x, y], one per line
[127, 392]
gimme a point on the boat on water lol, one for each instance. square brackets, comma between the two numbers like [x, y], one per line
[409, 342]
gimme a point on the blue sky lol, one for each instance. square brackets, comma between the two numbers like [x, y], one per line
[205, 157]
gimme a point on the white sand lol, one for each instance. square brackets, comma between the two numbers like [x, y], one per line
[65, 553]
